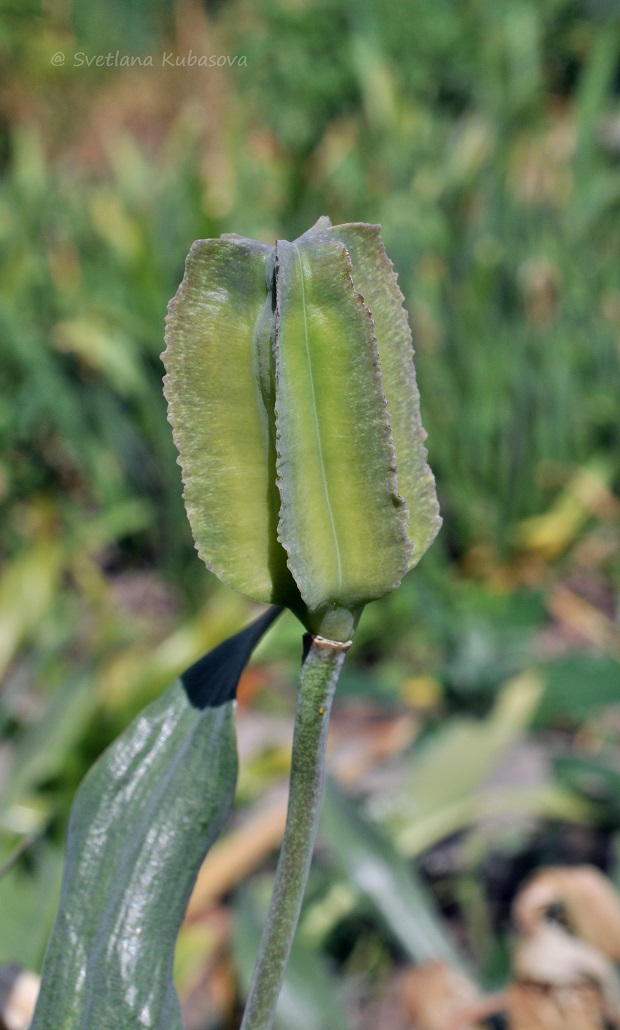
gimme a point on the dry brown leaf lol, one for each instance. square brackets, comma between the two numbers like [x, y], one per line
[533, 1006]
[589, 900]
[437, 997]
[563, 980]
[552, 958]
[586, 494]
[584, 618]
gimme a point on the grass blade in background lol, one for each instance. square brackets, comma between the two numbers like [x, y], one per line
[141, 825]
[370, 863]
[443, 791]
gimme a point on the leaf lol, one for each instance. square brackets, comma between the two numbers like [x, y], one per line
[370, 863]
[309, 998]
[453, 764]
[27, 586]
[342, 521]
[587, 899]
[443, 795]
[374, 278]
[561, 964]
[435, 996]
[217, 386]
[577, 687]
[566, 1007]
[141, 825]
[28, 900]
[43, 745]
[591, 777]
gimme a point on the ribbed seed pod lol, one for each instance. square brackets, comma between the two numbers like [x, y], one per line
[295, 410]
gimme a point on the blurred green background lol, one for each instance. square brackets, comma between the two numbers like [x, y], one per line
[485, 138]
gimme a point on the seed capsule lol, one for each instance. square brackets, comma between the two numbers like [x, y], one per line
[295, 410]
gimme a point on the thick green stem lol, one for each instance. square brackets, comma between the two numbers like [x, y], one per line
[319, 674]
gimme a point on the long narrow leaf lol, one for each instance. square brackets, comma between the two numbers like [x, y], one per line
[141, 825]
[399, 897]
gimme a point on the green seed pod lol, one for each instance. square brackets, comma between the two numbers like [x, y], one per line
[293, 400]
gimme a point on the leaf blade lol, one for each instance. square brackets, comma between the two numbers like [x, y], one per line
[140, 827]
[370, 863]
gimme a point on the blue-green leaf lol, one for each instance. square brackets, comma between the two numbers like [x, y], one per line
[141, 825]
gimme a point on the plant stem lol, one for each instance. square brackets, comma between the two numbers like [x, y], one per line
[317, 683]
